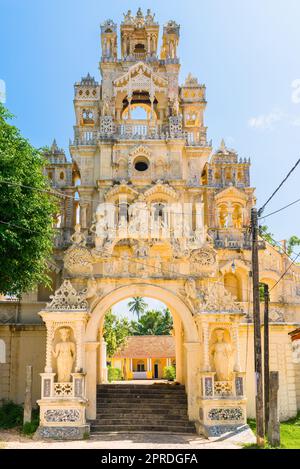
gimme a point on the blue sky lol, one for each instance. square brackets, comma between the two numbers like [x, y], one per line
[122, 310]
[246, 52]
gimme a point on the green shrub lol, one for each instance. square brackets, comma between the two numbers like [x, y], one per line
[114, 374]
[11, 415]
[169, 373]
[30, 427]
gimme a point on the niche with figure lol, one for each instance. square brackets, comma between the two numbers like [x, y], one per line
[63, 354]
[221, 352]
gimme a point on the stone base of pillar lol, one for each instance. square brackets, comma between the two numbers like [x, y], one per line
[219, 416]
[63, 418]
[104, 375]
[64, 433]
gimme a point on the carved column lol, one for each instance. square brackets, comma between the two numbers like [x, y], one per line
[205, 331]
[192, 385]
[148, 44]
[229, 216]
[178, 348]
[103, 359]
[79, 346]
[50, 332]
[91, 378]
[199, 215]
[236, 342]
[83, 212]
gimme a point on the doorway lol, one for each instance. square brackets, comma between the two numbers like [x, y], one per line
[155, 370]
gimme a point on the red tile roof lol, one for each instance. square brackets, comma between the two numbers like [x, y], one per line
[147, 346]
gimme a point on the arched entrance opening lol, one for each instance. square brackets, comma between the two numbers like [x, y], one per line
[140, 342]
[187, 345]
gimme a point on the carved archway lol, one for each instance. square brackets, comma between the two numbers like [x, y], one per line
[142, 289]
[190, 348]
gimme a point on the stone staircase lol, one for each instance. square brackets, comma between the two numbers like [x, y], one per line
[141, 408]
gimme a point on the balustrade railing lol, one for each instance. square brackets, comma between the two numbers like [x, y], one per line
[137, 131]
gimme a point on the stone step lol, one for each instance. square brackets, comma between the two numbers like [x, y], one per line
[141, 387]
[142, 421]
[140, 401]
[139, 413]
[147, 410]
[149, 395]
[147, 392]
[141, 396]
[138, 404]
[141, 416]
[142, 428]
[141, 408]
[156, 387]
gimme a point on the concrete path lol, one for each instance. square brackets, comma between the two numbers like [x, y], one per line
[12, 440]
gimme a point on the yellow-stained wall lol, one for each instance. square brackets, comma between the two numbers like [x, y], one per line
[280, 360]
[25, 345]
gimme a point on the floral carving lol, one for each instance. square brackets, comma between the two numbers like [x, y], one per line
[62, 415]
[217, 298]
[78, 260]
[234, 413]
[204, 256]
[67, 298]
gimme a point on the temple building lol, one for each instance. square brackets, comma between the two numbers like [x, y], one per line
[148, 208]
[144, 357]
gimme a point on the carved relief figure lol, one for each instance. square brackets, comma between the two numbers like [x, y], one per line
[191, 293]
[222, 356]
[78, 237]
[99, 227]
[138, 216]
[64, 352]
[237, 217]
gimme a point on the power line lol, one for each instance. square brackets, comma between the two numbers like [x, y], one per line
[279, 245]
[279, 210]
[277, 189]
[286, 271]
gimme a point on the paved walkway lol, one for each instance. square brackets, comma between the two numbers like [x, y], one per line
[13, 440]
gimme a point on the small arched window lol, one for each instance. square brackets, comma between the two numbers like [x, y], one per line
[159, 212]
[2, 351]
[62, 175]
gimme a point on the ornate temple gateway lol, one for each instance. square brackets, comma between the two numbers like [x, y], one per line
[148, 209]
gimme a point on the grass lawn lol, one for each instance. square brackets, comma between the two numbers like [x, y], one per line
[289, 433]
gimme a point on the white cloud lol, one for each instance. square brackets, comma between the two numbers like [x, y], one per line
[295, 97]
[265, 121]
[296, 121]
[2, 92]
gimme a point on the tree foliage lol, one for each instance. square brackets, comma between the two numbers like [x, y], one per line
[26, 213]
[115, 332]
[292, 242]
[137, 306]
[153, 323]
[266, 235]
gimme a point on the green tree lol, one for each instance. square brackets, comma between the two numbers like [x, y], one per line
[26, 213]
[153, 323]
[292, 241]
[137, 306]
[266, 235]
[115, 332]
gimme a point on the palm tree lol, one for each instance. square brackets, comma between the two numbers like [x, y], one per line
[137, 306]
